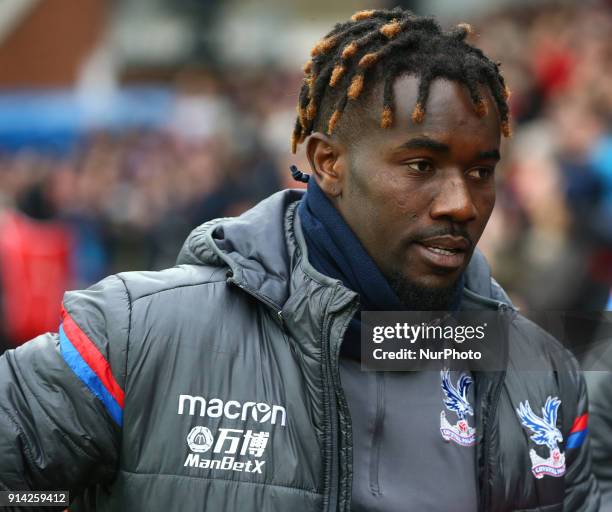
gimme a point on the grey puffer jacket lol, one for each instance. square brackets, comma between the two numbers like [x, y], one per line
[214, 385]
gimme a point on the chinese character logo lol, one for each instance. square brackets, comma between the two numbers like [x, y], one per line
[230, 441]
[255, 443]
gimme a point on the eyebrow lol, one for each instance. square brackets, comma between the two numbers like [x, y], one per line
[426, 143]
[440, 147]
[492, 154]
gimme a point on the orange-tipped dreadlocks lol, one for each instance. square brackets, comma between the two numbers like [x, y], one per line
[379, 45]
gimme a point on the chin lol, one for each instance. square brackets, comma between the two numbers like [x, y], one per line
[436, 281]
[427, 293]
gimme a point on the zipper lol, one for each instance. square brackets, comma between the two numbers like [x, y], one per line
[331, 479]
[496, 393]
[337, 397]
[378, 426]
[491, 412]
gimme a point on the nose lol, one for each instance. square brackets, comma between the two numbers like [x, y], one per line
[453, 201]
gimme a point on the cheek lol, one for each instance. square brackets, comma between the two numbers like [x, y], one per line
[399, 197]
[384, 202]
[407, 205]
[486, 205]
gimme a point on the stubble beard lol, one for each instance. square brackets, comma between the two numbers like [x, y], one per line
[416, 297]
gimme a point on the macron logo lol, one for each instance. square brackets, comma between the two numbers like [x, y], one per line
[232, 409]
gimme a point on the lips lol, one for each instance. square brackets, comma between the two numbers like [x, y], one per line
[445, 252]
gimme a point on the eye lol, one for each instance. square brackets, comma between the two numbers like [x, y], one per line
[421, 166]
[480, 173]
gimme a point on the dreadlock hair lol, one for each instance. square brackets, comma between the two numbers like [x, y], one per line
[379, 45]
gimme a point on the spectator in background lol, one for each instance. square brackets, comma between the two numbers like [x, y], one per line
[35, 268]
[556, 184]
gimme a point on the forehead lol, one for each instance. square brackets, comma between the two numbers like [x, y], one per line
[450, 115]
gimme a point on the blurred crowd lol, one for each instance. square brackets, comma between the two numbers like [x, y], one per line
[126, 199]
[550, 238]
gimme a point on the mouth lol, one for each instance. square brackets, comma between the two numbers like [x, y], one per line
[445, 252]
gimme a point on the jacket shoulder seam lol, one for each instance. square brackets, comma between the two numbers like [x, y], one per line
[157, 292]
[127, 341]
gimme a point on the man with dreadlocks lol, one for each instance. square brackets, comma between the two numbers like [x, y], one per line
[231, 382]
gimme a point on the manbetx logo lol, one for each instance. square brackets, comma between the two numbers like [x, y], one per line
[231, 442]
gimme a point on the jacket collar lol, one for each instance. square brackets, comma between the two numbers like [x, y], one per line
[252, 246]
[265, 254]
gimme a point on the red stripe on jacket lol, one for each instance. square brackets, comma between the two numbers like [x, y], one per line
[92, 356]
[580, 423]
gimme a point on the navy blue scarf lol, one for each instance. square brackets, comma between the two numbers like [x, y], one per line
[334, 250]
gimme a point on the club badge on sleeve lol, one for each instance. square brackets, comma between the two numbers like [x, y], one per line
[456, 400]
[545, 433]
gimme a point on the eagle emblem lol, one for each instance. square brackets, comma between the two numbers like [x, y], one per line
[456, 400]
[544, 433]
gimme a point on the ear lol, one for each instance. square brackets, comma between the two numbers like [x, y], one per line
[327, 159]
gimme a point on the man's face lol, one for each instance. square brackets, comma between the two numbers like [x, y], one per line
[419, 196]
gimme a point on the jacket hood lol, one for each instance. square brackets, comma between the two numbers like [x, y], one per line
[255, 249]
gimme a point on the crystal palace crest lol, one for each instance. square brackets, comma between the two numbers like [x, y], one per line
[456, 401]
[545, 433]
